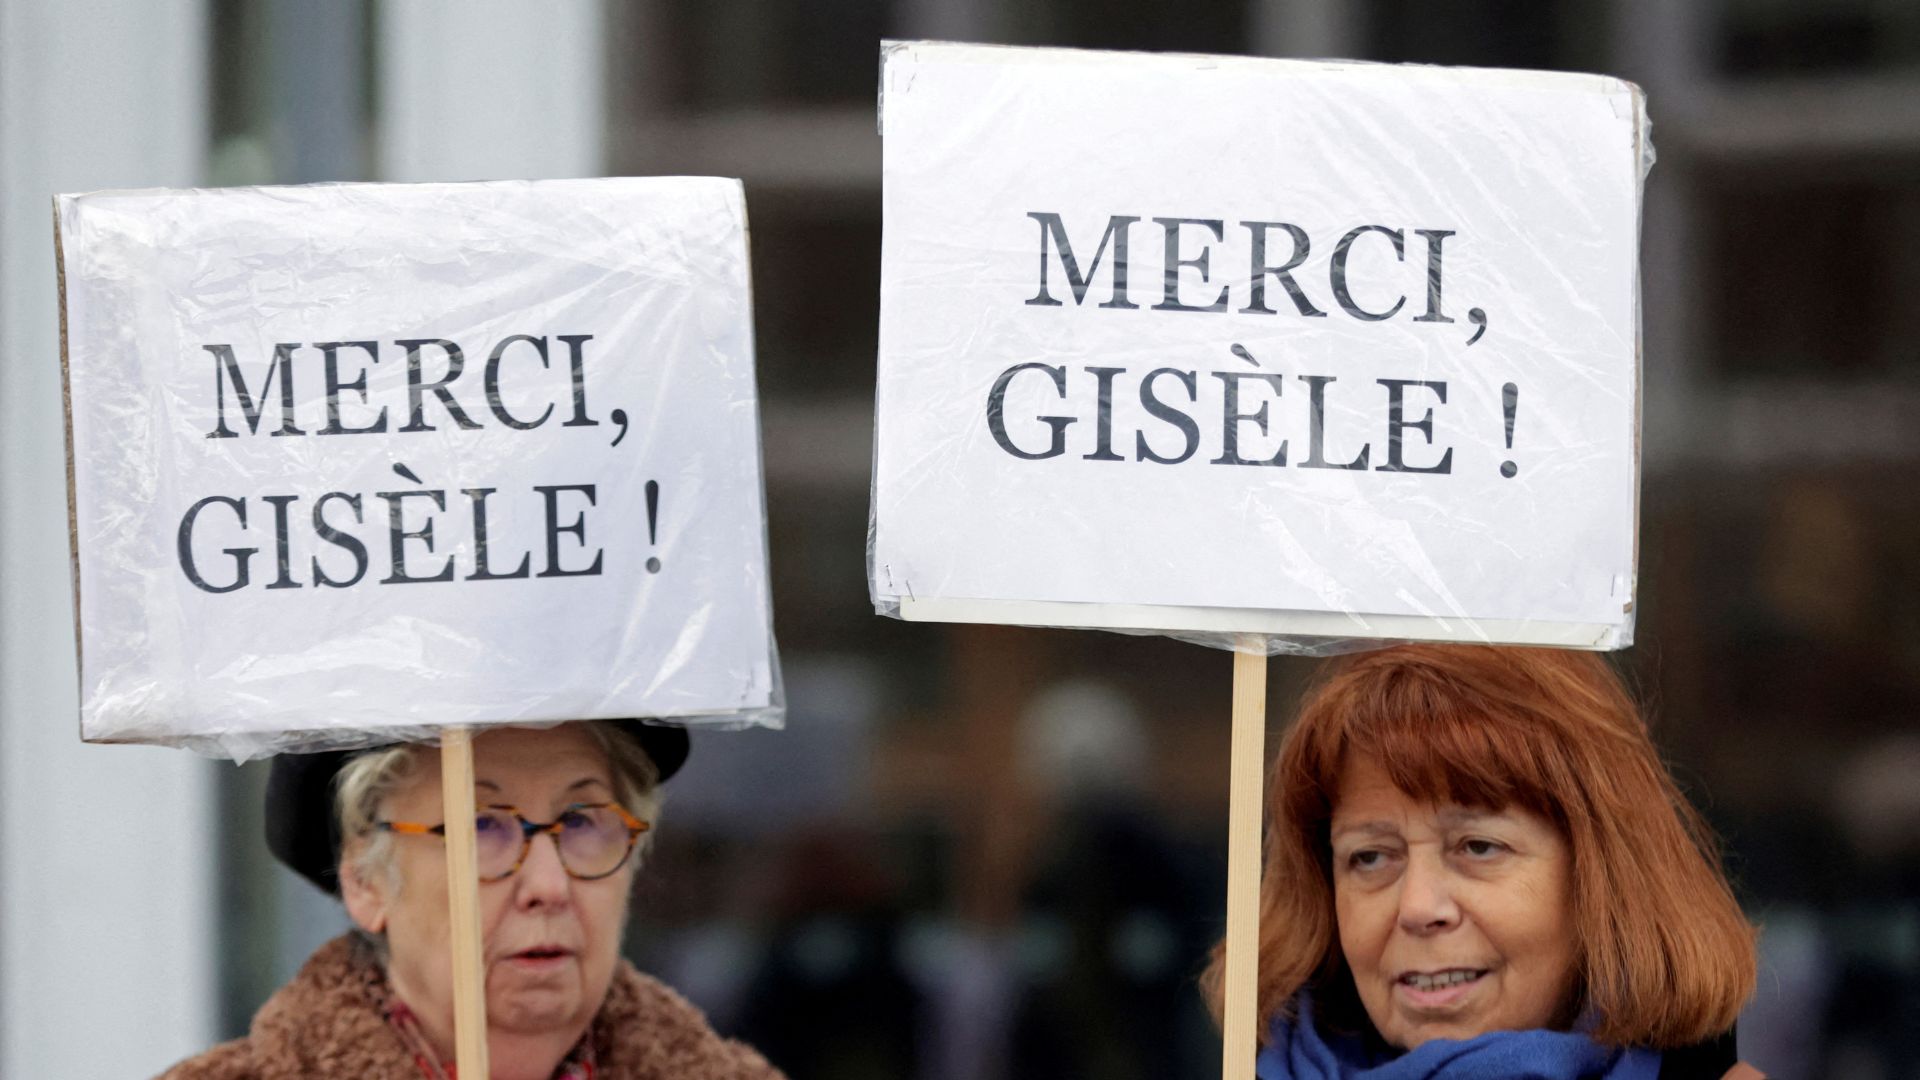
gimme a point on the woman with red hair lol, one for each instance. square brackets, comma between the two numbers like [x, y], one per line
[1477, 866]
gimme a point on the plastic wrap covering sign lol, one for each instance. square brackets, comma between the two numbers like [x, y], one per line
[1219, 346]
[364, 458]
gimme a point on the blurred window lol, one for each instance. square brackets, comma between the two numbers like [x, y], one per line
[1765, 38]
[1130, 24]
[1811, 269]
[816, 273]
[730, 54]
[1541, 34]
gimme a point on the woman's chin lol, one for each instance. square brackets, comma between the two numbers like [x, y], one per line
[531, 1009]
[531, 1018]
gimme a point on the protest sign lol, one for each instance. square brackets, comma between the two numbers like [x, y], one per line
[1226, 346]
[353, 459]
[1272, 355]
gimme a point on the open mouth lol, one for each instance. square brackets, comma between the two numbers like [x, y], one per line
[1441, 980]
[541, 954]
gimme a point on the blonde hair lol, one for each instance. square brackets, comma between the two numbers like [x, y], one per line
[365, 782]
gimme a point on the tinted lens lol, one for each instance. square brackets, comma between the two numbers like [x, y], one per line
[497, 841]
[593, 840]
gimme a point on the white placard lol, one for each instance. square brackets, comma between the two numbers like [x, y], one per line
[356, 458]
[1200, 343]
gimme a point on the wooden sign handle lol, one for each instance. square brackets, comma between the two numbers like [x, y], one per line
[1240, 1021]
[463, 905]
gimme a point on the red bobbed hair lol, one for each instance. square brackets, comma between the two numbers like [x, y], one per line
[1665, 958]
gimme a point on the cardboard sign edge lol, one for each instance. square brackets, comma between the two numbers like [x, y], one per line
[1328, 626]
[947, 51]
[66, 413]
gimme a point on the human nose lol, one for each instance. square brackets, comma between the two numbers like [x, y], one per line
[543, 880]
[1426, 896]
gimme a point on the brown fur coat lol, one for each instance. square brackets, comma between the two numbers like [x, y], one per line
[327, 1025]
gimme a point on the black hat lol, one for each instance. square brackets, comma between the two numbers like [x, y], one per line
[303, 833]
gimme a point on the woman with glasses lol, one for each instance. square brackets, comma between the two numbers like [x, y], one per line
[565, 816]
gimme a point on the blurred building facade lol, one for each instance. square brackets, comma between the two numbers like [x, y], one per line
[891, 888]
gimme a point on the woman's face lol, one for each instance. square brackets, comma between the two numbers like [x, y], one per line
[1455, 921]
[549, 941]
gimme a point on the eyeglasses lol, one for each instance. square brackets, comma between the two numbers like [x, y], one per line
[594, 839]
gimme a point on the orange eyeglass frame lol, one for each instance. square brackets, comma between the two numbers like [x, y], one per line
[530, 829]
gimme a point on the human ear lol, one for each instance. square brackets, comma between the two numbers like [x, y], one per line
[366, 899]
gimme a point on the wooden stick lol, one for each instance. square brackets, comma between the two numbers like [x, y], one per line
[463, 905]
[1241, 1020]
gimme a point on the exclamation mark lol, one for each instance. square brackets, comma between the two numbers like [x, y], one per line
[1510, 395]
[653, 506]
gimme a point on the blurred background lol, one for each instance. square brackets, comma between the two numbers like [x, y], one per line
[984, 853]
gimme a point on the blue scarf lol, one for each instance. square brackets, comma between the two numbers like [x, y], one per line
[1297, 1052]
